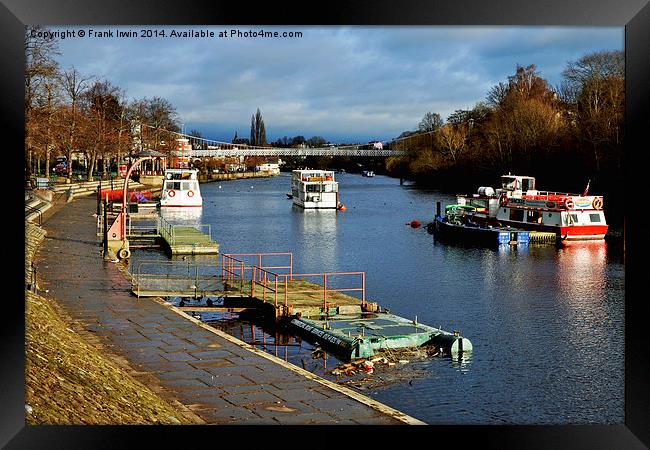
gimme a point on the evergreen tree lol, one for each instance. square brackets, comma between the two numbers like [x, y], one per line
[258, 131]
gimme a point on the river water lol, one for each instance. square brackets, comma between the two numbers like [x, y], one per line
[546, 324]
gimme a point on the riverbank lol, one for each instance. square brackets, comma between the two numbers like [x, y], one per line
[215, 376]
[209, 177]
[68, 380]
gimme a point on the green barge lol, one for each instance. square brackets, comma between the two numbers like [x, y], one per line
[362, 335]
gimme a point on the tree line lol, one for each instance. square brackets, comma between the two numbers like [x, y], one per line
[565, 136]
[69, 112]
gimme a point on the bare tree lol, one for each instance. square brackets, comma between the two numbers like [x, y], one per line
[74, 86]
[103, 109]
[594, 91]
[40, 68]
[430, 122]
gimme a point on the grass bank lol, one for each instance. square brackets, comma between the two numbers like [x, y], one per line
[68, 380]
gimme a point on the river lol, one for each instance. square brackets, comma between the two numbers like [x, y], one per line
[546, 324]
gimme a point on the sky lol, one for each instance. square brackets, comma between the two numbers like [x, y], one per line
[346, 84]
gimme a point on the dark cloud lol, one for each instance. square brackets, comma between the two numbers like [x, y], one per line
[343, 83]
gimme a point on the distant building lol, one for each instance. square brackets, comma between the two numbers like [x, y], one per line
[181, 154]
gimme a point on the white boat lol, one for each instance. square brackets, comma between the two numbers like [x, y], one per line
[315, 189]
[368, 173]
[181, 188]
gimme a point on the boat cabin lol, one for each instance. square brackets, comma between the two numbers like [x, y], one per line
[517, 185]
[181, 188]
[314, 189]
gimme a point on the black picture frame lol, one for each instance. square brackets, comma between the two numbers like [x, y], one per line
[634, 15]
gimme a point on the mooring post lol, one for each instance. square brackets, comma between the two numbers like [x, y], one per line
[99, 197]
[363, 290]
[437, 209]
[105, 233]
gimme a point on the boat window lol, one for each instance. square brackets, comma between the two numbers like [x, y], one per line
[189, 185]
[594, 217]
[533, 216]
[517, 214]
[176, 185]
[312, 188]
[508, 183]
[527, 183]
[573, 218]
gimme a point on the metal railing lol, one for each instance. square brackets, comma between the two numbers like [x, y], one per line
[174, 233]
[180, 277]
[30, 210]
[268, 261]
[266, 276]
[298, 287]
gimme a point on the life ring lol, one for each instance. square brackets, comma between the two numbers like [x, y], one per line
[503, 201]
[171, 193]
[597, 203]
[123, 253]
[569, 203]
[190, 193]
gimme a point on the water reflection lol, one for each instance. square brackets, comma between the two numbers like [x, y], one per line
[182, 216]
[581, 269]
[319, 229]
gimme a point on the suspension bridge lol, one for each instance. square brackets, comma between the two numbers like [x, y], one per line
[199, 147]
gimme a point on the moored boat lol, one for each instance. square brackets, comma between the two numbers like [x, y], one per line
[457, 226]
[315, 189]
[181, 189]
[519, 204]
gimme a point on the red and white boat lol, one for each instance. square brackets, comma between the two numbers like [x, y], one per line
[519, 204]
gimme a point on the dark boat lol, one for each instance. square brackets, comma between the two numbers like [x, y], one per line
[471, 233]
[457, 226]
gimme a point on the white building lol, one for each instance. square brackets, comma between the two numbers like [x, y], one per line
[271, 168]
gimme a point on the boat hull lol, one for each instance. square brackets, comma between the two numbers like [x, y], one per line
[569, 233]
[477, 235]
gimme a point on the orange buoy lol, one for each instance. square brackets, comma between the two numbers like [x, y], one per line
[414, 223]
[342, 207]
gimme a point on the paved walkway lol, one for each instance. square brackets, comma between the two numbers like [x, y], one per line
[221, 379]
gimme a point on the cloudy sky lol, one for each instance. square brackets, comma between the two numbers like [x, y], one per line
[347, 84]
